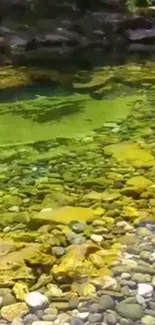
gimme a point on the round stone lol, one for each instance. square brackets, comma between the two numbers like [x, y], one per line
[106, 302]
[148, 320]
[96, 238]
[36, 299]
[145, 290]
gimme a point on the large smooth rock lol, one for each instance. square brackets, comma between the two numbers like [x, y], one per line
[63, 215]
[13, 311]
[131, 311]
[131, 153]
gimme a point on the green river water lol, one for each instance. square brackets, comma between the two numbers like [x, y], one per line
[77, 195]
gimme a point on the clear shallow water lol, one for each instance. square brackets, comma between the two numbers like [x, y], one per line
[77, 198]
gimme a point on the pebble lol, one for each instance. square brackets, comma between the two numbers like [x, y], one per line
[131, 311]
[41, 322]
[140, 300]
[83, 315]
[75, 321]
[145, 290]
[36, 300]
[96, 238]
[111, 318]
[13, 311]
[95, 318]
[148, 320]
[58, 251]
[106, 302]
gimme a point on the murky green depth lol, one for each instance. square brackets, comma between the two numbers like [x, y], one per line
[77, 197]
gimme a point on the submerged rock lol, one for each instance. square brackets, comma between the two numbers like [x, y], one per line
[131, 311]
[36, 300]
[63, 215]
[13, 311]
[131, 153]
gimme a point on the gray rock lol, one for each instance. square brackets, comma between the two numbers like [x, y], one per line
[75, 239]
[94, 308]
[145, 255]
[140, 300]
[76, 321]
[131, 311]
[106, 302]
[141, 278]
[30, 318]
[152, 305]
[95, 318]
[111, 318]
[124, 321]
[150, 312]
[58, 251]
[78, 227]
[73, 303]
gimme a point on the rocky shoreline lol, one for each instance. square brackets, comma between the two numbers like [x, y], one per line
[77, 233]
[30, 32]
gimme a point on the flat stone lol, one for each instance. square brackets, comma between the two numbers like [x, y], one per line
[13, 311]
[131, 311]
[63, 215]
[130, 153]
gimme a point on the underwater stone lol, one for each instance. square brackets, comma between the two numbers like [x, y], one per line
[13, 311]
[130, 153]
[63, 215]
[131, 311]
[145, 289]
[36, 299]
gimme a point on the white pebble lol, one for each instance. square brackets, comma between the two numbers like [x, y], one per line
[125, 276]
[145, 290]
[14, 208]
[83, 315]
[96, 238]
[36, 299]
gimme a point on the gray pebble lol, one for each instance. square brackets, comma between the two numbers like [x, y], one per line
[106, 302]
[30, 318]
[78, 227]
[73, 303]
[111, 318]
[152, 305]
[124, 321]
[94, 308]
[49, 317]
[95, 318]
[140, 300]
[76, 321]
[58, 251]
[150, 312]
